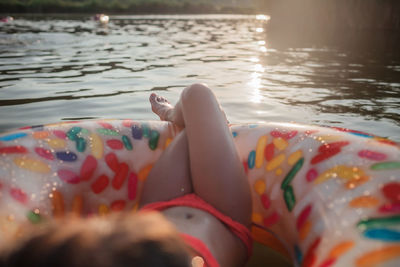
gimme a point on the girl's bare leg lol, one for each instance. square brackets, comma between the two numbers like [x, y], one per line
[216, 173]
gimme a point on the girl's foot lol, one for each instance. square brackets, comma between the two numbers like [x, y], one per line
[161, 107]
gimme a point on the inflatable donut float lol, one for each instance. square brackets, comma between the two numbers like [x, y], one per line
[330, 195]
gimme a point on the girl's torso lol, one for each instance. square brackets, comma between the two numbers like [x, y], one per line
[222, 243]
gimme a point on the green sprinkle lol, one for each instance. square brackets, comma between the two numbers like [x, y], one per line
[386, 165]
[146, 130]
[292, 173]
[34, 217]
[378, 222]
[73, 132]
[289, 197]
[107, 132]
[85, 132]
[127, 142]
[80, 144]
[153, 142]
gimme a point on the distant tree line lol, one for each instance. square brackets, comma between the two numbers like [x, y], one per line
[125, 6]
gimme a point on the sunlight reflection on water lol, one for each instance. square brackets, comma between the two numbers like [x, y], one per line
[56, 68]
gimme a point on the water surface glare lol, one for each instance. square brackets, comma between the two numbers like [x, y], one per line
[57, 68]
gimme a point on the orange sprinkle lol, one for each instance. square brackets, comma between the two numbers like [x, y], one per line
[259, 186]
[356, 182]
[364, 202]
[77, 205]
[378, 256]
[167, 142]
[340, 249]
[135, 208]
[58, 204]
[305, 230]
[40, 135]
[256, 218]
[145, 172]
[103, 210]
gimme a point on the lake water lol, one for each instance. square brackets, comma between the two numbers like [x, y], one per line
[71, 68]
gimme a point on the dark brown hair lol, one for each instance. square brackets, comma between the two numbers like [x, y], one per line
[145, 240]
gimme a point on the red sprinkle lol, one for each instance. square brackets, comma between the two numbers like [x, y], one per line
[372, 155]
[44, 153]
[303, 216]
[286, 136]
[100, 184]
[13, 150]
[112, 161]
[271, 220]
[332, 146]
[132, 185]
[19, 195]
[269, 151]
[60, 134]
[392, 192]
[118, 205]
[390, 208]
[69, 176]
[310, 256]
[246, 167]
[311, 175]
[88, 168]
[327, 262]
[127, 123]
[120, 176]
[265, 201]
[105, 125]
[115, 144]
[325, 155]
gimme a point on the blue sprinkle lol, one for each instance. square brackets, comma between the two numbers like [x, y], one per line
[13, 136]
[361, 134]
[234, 134]
[253, 125]
[298, 254]
[137, 132]
[66, 156]
[252, 159]
[383, 234]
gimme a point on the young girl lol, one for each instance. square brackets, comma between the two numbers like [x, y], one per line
[198, 184]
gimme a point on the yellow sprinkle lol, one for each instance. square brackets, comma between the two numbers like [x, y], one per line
[305, 230]
[340, 249]
[256, 218]
[32, 164]
[356, 182]
[278, 171]
[341, 171]
[103, 210]
[275, 162]
[364, 202]
[294, 157]
[57, 143]
[40, 135]
[96, 144]
[375, 257]
[262, 142]
[328, 138]
[259, 186]
[167, 142]
[143, 173]
[280, 143]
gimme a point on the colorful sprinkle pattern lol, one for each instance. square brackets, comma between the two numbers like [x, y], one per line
[332, 194]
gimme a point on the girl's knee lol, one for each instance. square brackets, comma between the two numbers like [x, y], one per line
[196, 92]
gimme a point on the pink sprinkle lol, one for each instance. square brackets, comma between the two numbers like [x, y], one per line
[105, 125]
[303, 216]
[271, 220]
[311, 175]
[68, 176]
[390, 208]
[372, 155]
[44, 153]
[265, 201]
[60, 134]
[19, 195]
[127, 123]
[132, 185]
